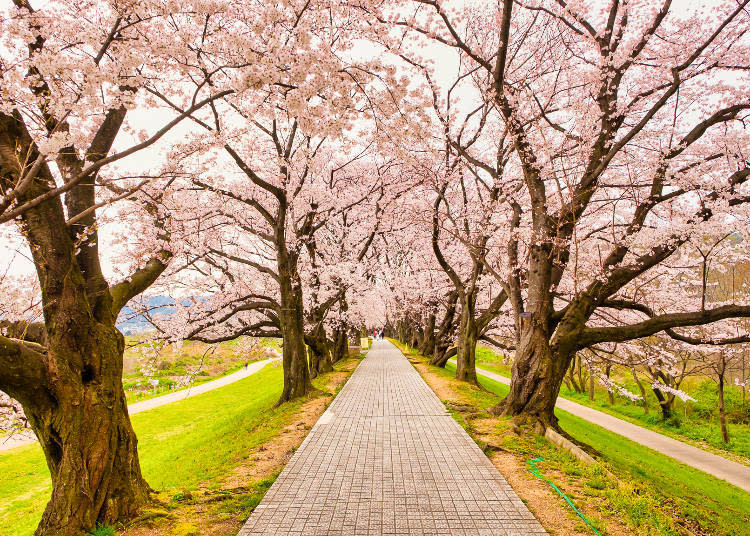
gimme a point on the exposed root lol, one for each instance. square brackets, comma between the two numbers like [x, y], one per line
[498, 409]
[462, 408]
[568, 446]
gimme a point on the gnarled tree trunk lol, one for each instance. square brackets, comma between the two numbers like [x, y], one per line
[416, 336]
[442, 355]
[79, 415]
[427, 348]
[537, 374]
[294, 357]
[467, 342]
[722, 409]
[70, 385]
[319, 353]
[442, 342]
[340, 348]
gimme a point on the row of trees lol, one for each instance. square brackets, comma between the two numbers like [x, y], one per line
[538, 176]
[225, 154]
[590, 158]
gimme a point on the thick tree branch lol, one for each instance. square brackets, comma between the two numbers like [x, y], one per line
[590, 336]
[139, 281]
[22, 367]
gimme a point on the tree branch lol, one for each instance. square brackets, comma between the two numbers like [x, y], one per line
[590, 336]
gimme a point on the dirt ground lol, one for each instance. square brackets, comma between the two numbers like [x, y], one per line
[548, 507]
[220, 507]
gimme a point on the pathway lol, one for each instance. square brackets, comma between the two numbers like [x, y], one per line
[27, 437]
[387, 458]
[733, 472]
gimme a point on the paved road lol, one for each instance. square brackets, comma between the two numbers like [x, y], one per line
[387, 458]
[28, 437]
[733, 472]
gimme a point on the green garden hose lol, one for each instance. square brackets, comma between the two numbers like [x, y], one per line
[534, 470]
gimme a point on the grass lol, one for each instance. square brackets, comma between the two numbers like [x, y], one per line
[199, 361]
[651, 493]
[103, 531]
[695, 422]
[182, 446]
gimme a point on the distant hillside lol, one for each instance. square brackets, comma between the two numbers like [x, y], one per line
[131, 323]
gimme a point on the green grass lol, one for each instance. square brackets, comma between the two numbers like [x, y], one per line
[205, 361]
[180, 445]
[650, 492]
[695, 495]
[693, 421]
[103, 531]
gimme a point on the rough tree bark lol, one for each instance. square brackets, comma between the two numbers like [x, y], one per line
[537, 376]
[319, 352]
[427, 348]
[79, 414]
[467, 341]
[442, 337]
[722, 409]
[416, 336]
[291, 318]
[665, 403]
[71, 388]
[340, 348]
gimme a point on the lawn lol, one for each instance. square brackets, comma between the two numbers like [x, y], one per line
[181, 445]
[695, 422]
[713, 504]
[170, 367]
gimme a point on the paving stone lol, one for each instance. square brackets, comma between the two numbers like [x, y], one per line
[387, 458]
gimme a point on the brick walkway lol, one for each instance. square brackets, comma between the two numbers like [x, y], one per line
[387, 458]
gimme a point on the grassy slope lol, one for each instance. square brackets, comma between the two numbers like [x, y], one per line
[710, 502]
[181, 445]
[205, 362]
[688, 425]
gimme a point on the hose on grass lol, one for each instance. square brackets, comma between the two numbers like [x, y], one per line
[534, 470]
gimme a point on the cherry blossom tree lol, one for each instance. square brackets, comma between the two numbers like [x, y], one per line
[72, 72]
[289, 158]
[617, 159]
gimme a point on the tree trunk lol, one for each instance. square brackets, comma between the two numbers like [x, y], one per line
[428, 341]
[71, 389]
[442, 339]
[722, 410]
[340, 345]
[536, 378]
[84, 430]
[581, 376]
[592, 385]
[641, 389]
[467, 344]
[665, 403]
[319, 353]
[355, 334]
[442, 355]
[402, 332]
[610, 394]
[571, 376]
[416, 337]
[294, 358]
